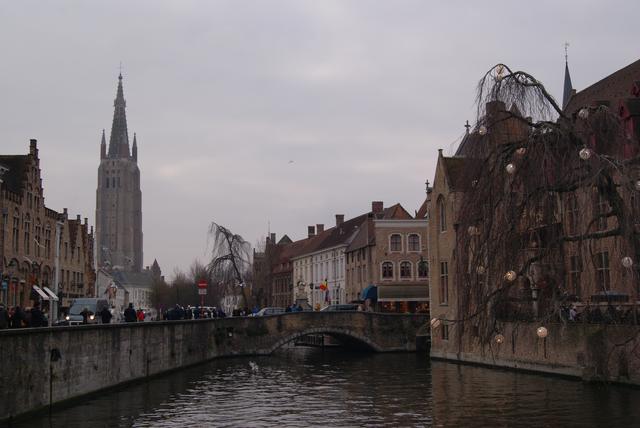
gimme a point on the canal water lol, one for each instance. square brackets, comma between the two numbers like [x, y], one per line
[299, 387]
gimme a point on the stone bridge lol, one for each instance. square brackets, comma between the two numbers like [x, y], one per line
[43, 366]
[361, 330]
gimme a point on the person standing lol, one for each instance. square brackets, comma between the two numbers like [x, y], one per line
[130, 314]
[105, 315]
[37, 317]
[4, 317]
[17, 318]
[140, 315]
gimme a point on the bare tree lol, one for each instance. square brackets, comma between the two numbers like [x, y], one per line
[230, 259]
[543, 190]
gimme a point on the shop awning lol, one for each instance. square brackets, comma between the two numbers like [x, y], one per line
[370, 292]
[42, 294]
[51, 294]
[403, 293]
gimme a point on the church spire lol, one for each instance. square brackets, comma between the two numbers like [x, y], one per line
[103, 147]
[568, 87]
[119, 139]
[134, 148]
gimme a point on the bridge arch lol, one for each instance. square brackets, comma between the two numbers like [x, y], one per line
[338, 333]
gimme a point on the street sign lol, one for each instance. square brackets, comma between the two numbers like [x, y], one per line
[202, 291]
[202, 284]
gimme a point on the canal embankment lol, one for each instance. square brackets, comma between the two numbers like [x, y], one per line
[40, 367]
[591, 352]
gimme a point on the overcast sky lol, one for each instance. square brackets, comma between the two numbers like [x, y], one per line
[223, 95]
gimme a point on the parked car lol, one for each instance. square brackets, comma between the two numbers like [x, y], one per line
[93, 306]
[343, 307]
[269, 311]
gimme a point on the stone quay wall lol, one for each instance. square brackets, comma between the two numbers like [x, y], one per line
[43, 366]
[592, 352]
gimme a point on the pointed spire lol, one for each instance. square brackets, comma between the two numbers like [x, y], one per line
[103, 146]
[134, 148]
[119, 139]
[568, 87]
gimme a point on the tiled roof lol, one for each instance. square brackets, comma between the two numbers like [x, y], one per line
[132, 279]
[422, 211]
[457, 172]
[613, 88]
[366, 235]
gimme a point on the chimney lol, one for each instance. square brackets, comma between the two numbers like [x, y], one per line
[65, 213]
[311, 231]
[319, 228]
[273, 238]
[78, 218]
[377, 207]
[86, 221]
[33, 147]
[339, 219]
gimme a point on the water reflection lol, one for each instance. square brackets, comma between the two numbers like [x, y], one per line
[311, 388]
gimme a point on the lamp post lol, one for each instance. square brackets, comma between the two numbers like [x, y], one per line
[54, 306]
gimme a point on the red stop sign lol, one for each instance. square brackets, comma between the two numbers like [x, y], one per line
[202, 284]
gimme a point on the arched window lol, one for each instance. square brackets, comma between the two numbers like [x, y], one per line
[387, 270]
[442, 214]
[413, 242]
[423, 269]
[405, 270]
[27, 234]
[395, 242]
[16, 230]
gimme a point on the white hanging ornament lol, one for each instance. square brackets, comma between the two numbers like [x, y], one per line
[482, 130]
[521, 151]
[636, 185]
[542, 332]
[627, 262]
[499, 339]
[585, 154]
[583, 113]
[511, 168]
[510, 276]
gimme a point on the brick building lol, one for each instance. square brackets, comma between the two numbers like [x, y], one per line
[571, 251]
[389, 252]
[28, 234]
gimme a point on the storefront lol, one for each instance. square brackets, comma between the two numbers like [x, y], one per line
[403, 298]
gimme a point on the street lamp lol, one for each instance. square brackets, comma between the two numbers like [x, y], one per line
[54, 306]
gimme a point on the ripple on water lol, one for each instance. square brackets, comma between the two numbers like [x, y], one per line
[308, 388]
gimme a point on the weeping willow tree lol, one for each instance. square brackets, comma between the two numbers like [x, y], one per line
[549, 213]
[230, 259]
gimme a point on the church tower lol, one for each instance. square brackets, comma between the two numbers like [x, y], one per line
[118, 197]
